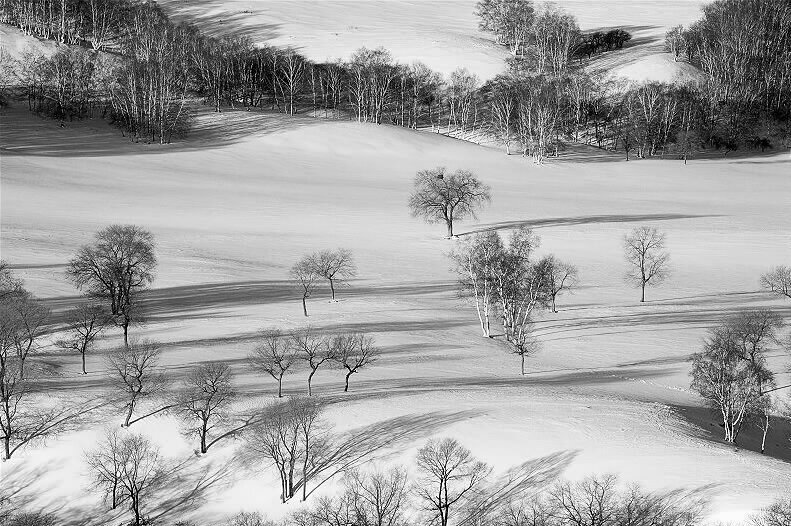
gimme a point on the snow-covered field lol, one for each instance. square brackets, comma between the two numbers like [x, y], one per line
[238, 203]
[443, 34]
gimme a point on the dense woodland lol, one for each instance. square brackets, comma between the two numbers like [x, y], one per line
[126, 60]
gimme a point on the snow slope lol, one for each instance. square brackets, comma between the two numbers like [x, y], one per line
[442, 33]
[237, 204]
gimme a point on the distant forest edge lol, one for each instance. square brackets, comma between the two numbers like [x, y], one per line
[125, 60]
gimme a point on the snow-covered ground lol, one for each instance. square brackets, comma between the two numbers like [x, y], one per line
[238, 203]
[235, 206]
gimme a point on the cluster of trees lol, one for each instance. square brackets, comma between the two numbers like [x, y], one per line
[746, 97]
[507, 281]
[545, 100]
[601, 41]
[543, 37]
[731, 372]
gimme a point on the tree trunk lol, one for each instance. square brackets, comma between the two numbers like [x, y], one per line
[449, 223]
[304, 306]
[523, 364]
[280, 387]
[642, 293]
[332, 288]
[346, 387]
[129, 414]
[310, 379]
[7, 446]
[83, 362]
[765, 429]
[204, 431]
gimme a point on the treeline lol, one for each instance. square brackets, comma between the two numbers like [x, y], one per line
[545, 100]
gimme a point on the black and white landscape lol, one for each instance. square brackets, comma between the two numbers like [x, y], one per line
[395, 263]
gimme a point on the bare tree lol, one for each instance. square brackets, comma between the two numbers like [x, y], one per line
[128, 467]
[353, 352]
[441, 196]
[561, 277]
[134, 369]
[274, 356]
[304, 272]
[25, 318]
[105, 463]
[115, 268]
[336, 266]
[448, 476]
[778, 280]
[644, 249]
[314, 348]
[312, 435]
[379, 498]
[86, 322]
[204, 402]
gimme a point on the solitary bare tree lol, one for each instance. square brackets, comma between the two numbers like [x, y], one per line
[644, 249]
[353, 352]
[448, 476]
[129, 468]
[304, 273]
[442, 196]
[204, 402]
[134, 369]
[313, 348]
[778, 280]
[561, 277]
[86, 322]
[274, 356]
[335, 266]
[115, 268]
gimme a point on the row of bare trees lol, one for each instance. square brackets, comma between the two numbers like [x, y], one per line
[278, 353]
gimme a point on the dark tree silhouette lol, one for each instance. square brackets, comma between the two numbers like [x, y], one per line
[115, 268]
[441, 196]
